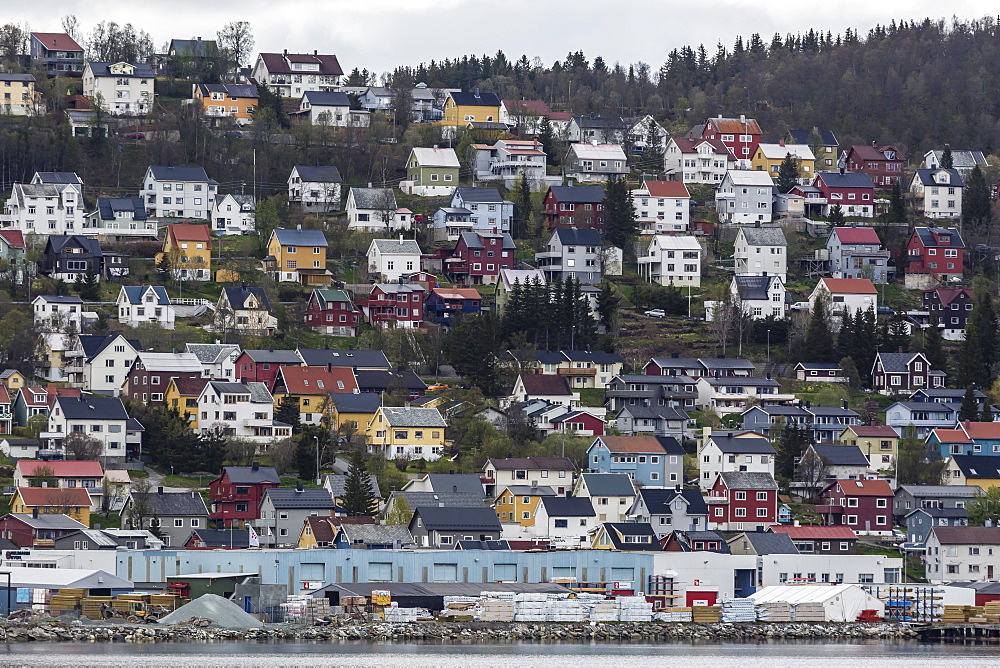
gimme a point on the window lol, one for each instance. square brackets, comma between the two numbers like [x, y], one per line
[178, 523]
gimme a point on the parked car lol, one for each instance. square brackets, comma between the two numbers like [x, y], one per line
[438, 386]
[656, 313]
[233, 134]
[134, 135]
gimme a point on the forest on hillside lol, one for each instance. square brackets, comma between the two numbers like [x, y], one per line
[915, 84]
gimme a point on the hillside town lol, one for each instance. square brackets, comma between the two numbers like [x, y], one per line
[270, 320]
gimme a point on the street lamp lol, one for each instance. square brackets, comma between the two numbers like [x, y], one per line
[316, 438]
[768, 348]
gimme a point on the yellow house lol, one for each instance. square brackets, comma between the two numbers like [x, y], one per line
[182, 395]
[617, 536]
[768, 158]
[310, 388]
[460, 109]
[965, 471]
[352, 412]
[519, 503]
[72, 501]
[409, 433]
[12, 379]
[188, 248]
[878, 443]
[17, 94]
[316, 532]
[298, 256]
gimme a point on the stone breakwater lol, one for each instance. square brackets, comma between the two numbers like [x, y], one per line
[456, 632]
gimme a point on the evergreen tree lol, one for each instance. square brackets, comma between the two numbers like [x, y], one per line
[305, 459]
[978, 353]
[970, 359]
[970, 408]
[607, 306]
[836, 216]
[819, 337]
[788, 173]
[976, 204]
[946, 160]
[845, 343]
[287, 411]
[548, 141]
[896, 335]
[359, 496]
[897, 204]
[619, 214]
[521, 196]
[471, 345]
[865, 343]
[933, 347]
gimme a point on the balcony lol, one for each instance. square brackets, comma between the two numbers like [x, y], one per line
[257, 422]
[561, 371]
[716, 499]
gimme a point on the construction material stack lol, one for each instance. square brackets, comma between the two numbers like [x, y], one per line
[601, 610]
[460, 608]
[496, 606]
[706, 614]
[530, 608]
[808, 612]
[956, 614]
[394, 613]
[66, 600]
[673, 614]
[774, 611]
[304, 609]
[909, 603]
[738, 610]
[992, 612]
[634, 609]
[91, 606]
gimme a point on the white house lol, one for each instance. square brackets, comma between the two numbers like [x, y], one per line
[697, 160]
[138, 304]
[241, 410]
[233, 214]
[856, 252]
[58, 313]
[759, 296]
[595, 162]
[390, 258]
[745, 196]
[315, 189]
[565, 522]
[178, 192]
[672, 261]
[119, 217]
[121, 89]
[963, 161]
[662, 206]
[327, 108]
[961, 553]
[730, 452]
[611, 494]
[508, 159]
[99, 364]
[246, 310]
[102, 418]
[218, 360]
[727, 396]
[291, 74]
[939, 191]
[845, 295]
[375, 210]
[761, 250]
[51, 204]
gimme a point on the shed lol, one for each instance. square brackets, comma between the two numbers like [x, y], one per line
[841, 603]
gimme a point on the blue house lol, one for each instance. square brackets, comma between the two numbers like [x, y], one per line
[967, 438]
[920, 522]
[760, 418]
[825, 423]
[923, 416]
[444, 304]
[652, 461]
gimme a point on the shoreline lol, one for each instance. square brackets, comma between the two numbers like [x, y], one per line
[458, 632]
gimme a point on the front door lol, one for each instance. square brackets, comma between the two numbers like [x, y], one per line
[989, 572]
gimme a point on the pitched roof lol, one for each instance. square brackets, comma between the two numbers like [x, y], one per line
[170, 504]
[536, 384]
[932, 237]
[376, 534]
[281, 63]
[926, 177]
[327, 98]
[316, 380]
[967, 535]
[396, 247]
[857, 235]
[960, 158]
[863, 487]
[766, 543]
[764, 236]
[666, 189]
[846, 180]
[95, 344]
[107, 207]
[687, 145]
[311, 499]
[321, 527]
[816, 532]
[659, 500]
[608, 484]
[189, 232]
[533, 463]
[479, 195]
[92, 408]
[436, 157]
[376, 380]
[852, 286]
[572, 236]
[827, 138]
[325, 174]
[475, 239]
[876, 153]
[251, 475]
[14, 238]
[841, 455]
[876, 431]
[336, 483]
[754, 288]
[299, 237]
[230, 89]
[781, 151]
[274, 356]
[61, 468]
[238, 296]
[173, 173]
[895, 362]
[458, 518]
[643, 443]
[413, 417]
[365, 402]
[70, 497]
[467, 483]
[533, 107]
[561, 506]
[738, 126]
[220, 538]
[475, 99]
[48, 521]
[598, 151]
[733, 445]
[578, 194]
[941, 491]
[57, 41]
[208, 353]
[745, 480]
[140, 70]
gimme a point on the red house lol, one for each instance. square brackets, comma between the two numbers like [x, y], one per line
[478, 258]
[862, 505]
[580, 423]
[740, 135]
[392, 305]
[574, 206]
[332, 312]
[904, 372]
[935, 250]
[884, 164]
[150, 374]
[742, 501]
[37, 530]
[855, 193]
[261, 366]
[235, 495]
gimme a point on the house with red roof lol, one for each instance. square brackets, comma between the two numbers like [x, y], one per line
[292, 74]
[525, 116]
[310, 388]
[262, 366]
[845, 295]
[478, 258]
[968, 438]
[655, 461]
[536, 386]
[188, 250]
[72, 501]
[856, 252]
[862, 505]
[951, 307]
[697, 160]
[69, 474]
[937, 251]
[884, 164]
[879, 443]
[662, 207]
[821, 539]
[740, 135]
[445, 305]
[57, 53]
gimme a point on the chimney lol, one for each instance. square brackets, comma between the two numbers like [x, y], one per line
[298, 487]
[781, 143]
[743, 119]
[477, 93]
[872, 423]
[844, 404]
[874, 144]
[454, 489]
[255, 467]
[298, 226]
[315, 52]
[808, 404]
[768, 374]
[285, 53]
[159, 490]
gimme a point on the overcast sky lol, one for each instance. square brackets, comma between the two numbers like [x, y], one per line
[379, 34]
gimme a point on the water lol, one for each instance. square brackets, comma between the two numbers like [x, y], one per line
[872, 654]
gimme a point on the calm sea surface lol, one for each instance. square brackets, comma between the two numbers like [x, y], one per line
[523, 655]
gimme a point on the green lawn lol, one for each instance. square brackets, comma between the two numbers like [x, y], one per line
[592, 396]
[191, 482]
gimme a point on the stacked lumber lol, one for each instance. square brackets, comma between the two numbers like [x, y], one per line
[706, 614]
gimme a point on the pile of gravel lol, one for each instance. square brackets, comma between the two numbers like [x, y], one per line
[219, 611]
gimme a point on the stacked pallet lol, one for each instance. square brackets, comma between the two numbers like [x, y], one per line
[738, 610]
[66, 600]
[634, 609]
[774, 611]
[808, 612]
[706, 614]
[602, 610]
[992, 612]
[496, 610]
[530, 607]
[91, 606]
[673, 614]
[564, 610]
[393, 613]
[956, 614]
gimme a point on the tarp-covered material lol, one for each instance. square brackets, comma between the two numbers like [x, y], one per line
[65, 578]
[841, 603]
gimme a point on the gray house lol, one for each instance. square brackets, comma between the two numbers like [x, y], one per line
[572, 253]
[655, 420]
[920, 522]
[913, 497]
[669, 509]
[432, 526]
[175, 514]
[488, 211]
[923, 416]
[636, 389]
[283, 511]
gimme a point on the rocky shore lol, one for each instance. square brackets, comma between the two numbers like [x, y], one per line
[455, 632]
